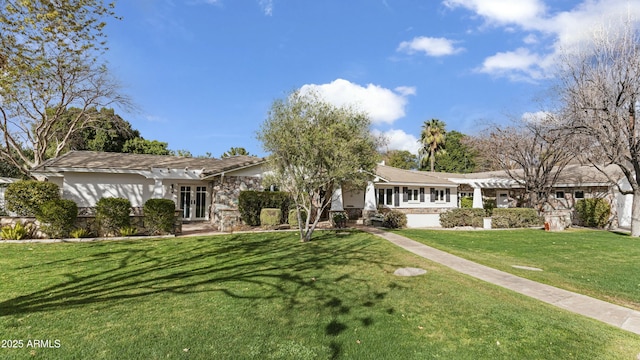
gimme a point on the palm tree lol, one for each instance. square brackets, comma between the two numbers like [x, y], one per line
[235, 151]
[432, 139]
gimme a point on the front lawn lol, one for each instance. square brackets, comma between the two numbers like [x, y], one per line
[268, 296]
[595, 263]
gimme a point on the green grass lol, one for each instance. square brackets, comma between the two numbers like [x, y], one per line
[268, 296]
[595, 263]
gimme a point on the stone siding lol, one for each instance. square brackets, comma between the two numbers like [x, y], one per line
[225, 194]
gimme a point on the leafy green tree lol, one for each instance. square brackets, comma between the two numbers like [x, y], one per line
[432, 139]
[108, 132]
[235, 151]
[143, 146]
[315, 147]
[181, 153]
[49, 63]
[458, 157]
[401, 159]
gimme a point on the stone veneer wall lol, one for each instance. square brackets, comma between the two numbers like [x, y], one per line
[226, 191]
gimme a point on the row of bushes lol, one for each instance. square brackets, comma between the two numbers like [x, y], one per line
[500, 218]
[58, 216]
[594, 212]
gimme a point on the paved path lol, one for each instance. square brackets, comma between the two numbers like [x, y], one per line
[615, 315]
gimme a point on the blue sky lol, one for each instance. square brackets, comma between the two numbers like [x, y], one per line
[203, 73]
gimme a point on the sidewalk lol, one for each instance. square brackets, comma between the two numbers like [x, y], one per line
[615, 315]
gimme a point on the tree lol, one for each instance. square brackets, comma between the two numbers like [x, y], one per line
[533, 153]
[235, 151]
[314, 148]
[142, 146]
[50, 62]
[599, 86]
[432, 139]
[401, 159]
[458, 157]
[108, 132]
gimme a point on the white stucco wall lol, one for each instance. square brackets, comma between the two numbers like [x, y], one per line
[353, 199]
[423, 220]
[256, 171]
[87, 188]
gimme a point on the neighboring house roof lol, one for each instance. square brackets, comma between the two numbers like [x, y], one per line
[94, 161]
[571, 175]
[392, 175]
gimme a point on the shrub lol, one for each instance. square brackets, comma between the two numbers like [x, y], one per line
[462, 217]
[340, 219]
[488, 205]
[594, 212]
[128, 231]
[159, 216]
[270, 217]
[58, 217]
[25, 197]
[250, 204]
[17, 231]
[466, 202]
[80, 233]
[293, 217]
[112, 214]
[394, 219]
[515, 218]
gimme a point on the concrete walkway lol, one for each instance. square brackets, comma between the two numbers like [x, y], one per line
[615, 315]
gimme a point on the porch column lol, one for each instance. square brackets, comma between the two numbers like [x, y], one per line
[370, 197]
[477, 198]
[336, 200]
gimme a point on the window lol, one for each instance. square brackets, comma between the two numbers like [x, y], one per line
[559, 194]
[385, 196]
[413, 195]
[578, 194]
[440, 195]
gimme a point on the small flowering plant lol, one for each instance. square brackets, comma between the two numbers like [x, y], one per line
[340, 219]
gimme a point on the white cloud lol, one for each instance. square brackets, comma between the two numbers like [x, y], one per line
[520, 64]
[430, 46]
[399, 140]
[564, 30]
[502, 11]
[267, 6]
[383, 105]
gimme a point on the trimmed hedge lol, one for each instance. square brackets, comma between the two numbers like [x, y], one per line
[112, 214]
[270, 217]
[594, 212]
[293, 217]
[58, 217]
[159, 216]
[25, 197]
[507, 218]
[250, 203]
[466, 202]
[462, 217]
[395, 220]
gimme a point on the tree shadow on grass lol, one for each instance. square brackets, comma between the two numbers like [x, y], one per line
[135, 270]
[274, 266]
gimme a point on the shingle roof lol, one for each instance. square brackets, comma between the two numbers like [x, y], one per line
[395, 175]
[571, 174]
[123, 161]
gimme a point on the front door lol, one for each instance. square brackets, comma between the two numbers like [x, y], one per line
[193, 202]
